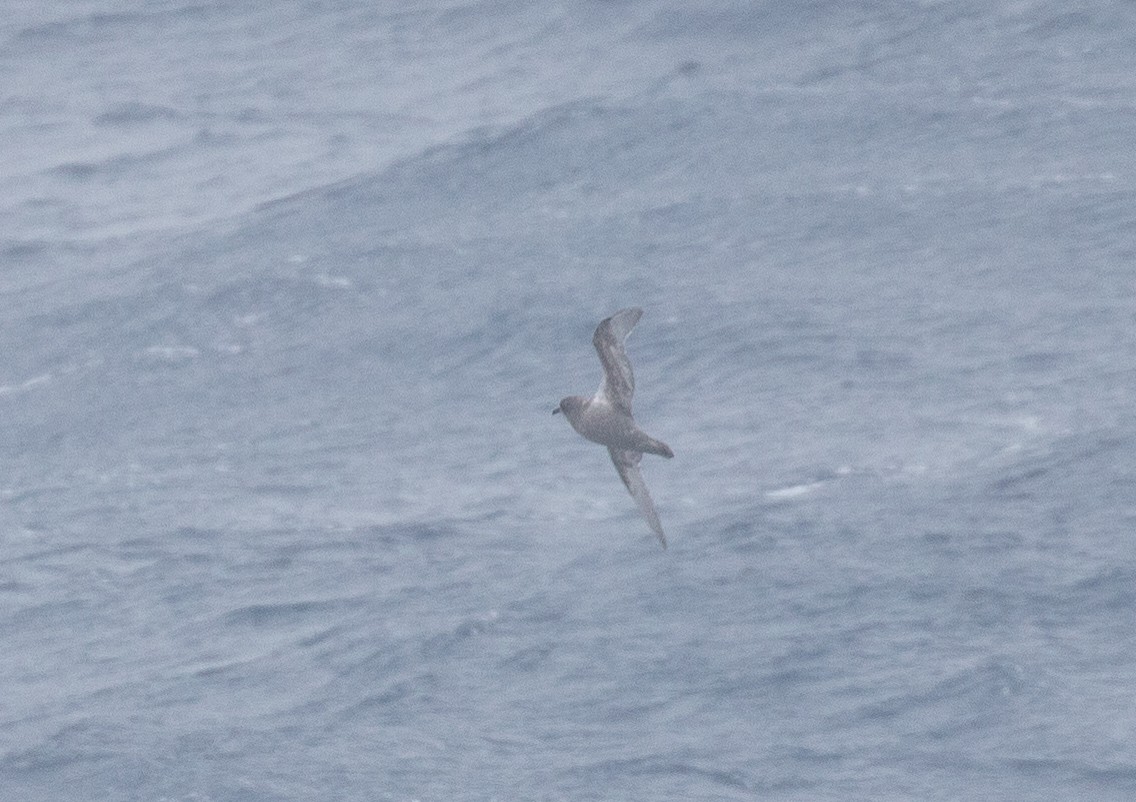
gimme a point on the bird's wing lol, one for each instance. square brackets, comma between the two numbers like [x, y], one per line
[627, 464]
[618, 384]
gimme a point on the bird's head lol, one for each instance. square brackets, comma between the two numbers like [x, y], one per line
[570, 405]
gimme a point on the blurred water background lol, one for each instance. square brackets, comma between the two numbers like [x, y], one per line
[288, 292]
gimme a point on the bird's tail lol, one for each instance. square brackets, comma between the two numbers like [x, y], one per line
[653, 446]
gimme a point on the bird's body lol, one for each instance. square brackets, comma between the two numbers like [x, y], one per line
[601, 423]
[606, 417]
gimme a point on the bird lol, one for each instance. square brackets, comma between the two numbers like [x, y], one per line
[606, 417]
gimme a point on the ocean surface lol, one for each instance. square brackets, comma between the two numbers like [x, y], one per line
[289, 291]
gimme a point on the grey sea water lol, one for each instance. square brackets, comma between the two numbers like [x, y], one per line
[288, 292]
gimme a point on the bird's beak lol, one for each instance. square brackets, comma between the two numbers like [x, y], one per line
[555, 410]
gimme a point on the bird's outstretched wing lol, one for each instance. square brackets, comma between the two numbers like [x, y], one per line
[627, 464]
[619, 382]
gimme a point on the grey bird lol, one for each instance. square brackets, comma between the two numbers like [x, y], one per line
[605, 418]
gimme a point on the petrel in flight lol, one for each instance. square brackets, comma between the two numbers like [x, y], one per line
[605, 418]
